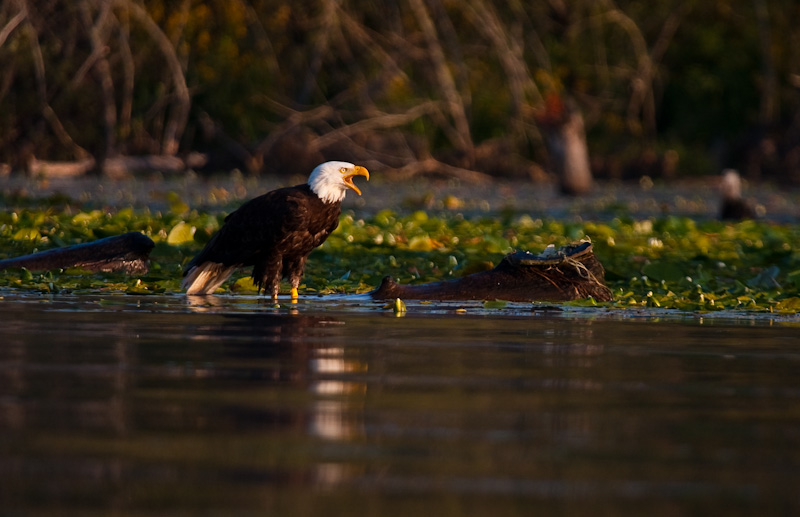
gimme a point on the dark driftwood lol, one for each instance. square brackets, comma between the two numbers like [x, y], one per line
[126, 253]
[571, 273]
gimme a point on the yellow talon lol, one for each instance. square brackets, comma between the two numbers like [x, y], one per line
[294, 294]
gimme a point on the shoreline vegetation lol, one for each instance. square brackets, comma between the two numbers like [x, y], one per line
[564, 92]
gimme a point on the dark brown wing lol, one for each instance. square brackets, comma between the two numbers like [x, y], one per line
[259, 227]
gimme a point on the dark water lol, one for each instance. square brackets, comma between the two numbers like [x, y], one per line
[134, 406]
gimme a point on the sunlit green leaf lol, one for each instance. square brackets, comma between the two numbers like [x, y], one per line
[181, 233]
[27, 234]
[87, 217]
[788, 305]
[244, 284]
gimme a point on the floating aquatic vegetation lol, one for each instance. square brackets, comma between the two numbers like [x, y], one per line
[668, 262]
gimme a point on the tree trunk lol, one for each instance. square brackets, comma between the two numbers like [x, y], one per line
[565, 138]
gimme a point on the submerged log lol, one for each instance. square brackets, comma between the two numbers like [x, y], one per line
[570, 273]
[127, 253]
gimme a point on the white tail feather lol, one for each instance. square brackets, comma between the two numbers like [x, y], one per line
[206, 277]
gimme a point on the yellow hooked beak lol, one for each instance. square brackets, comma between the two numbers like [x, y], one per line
[357, 171]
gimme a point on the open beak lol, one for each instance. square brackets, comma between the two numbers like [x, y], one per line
[357, 171]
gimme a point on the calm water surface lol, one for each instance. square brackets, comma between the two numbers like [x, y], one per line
[120, 405]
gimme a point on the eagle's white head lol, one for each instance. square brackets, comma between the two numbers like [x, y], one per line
[331, 180]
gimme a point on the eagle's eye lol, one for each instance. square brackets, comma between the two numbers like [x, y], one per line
[343, 170]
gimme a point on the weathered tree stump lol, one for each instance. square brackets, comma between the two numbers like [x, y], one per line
[570, 273]
[565, 139]
[127, 253]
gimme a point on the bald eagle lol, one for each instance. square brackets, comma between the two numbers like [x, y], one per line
[275, 232]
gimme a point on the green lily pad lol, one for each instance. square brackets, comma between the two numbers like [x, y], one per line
[181, 233]
[244, 284]
[27, 234]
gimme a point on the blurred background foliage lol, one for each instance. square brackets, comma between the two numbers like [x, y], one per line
[667, 89]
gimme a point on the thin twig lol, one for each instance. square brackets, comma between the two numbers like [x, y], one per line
[432, 165]
[12, 24]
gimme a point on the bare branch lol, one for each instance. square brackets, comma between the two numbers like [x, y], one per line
[642, 98]
[328, 18]
[768, 112]
[41, 86]
[461, 136]
[12, 24]
[180, 112]
[511, 57]
[358, 33]
[434, 166]
[263, 38]
[100, 48]
[293, 120]
[382, 121]
[129, 72]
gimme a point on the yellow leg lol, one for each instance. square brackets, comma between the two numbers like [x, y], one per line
[294, 294]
